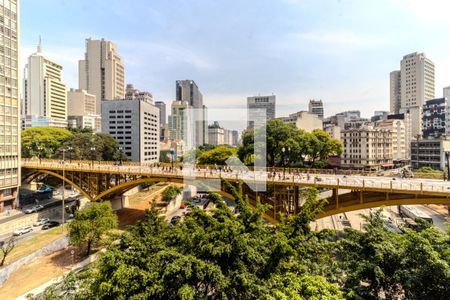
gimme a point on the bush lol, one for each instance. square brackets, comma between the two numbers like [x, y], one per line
[170, 193]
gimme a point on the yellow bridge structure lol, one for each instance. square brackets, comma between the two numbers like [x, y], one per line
[284, 189]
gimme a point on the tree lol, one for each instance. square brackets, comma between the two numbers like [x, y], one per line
[43, 141]
[83, 143]
[90, 223]
[299, 146]
[216, 156]
[6, 247]
[170, 193]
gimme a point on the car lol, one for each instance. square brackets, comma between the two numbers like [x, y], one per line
[23, 230]
[33, 209]
[41, 221]
[50, 224]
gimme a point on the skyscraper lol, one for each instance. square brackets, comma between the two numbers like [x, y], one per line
[188, 91]
[45, 94]
[395, 91]
[316, 107]
[9, 107]
[81, 110]
[102, 72]
[162, 111]
[417, 86]
[260, 109]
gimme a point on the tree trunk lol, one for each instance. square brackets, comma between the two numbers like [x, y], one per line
[89, 245]
[3, 259]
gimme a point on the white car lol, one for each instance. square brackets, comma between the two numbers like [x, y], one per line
[41, 222]
[23, 230]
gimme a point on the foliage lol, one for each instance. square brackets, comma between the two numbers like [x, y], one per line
[428, 170]
[6, 247]
[170, 193]
[219, 254]
[43, 141]
[300, 146]
[82, 146]
[216, 156]
[90, 223]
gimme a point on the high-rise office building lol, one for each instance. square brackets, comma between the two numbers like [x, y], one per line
[395, 91]
[417, 86]
[102, 72]
[316, 107]
[162, 111]
[303, 120]
[9, 107]
[45, 94]
[188, 91]
[179, 121]
[260, 109]
[134, 124]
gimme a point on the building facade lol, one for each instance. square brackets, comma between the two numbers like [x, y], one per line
[367, 148]
[45, 94]
[9, 108]
[188, 91]
[260, 109]
[304, 120]
[395, 91]
[101, 72]
[81, 108]
[434, 118]
[429, 153]
[162, 111]
[399, 140]
[316, 107]
[134, 124]
[417, 86]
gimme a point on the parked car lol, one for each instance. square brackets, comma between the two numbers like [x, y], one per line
[23, 230]
[50, 224]
[33, 209]
[41, 222]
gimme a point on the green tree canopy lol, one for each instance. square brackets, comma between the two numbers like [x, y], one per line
[43, 141]
[82, 146]
[299, 146]
[90, 223]
[217, 155]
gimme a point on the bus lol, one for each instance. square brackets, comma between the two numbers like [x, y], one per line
[413, 212]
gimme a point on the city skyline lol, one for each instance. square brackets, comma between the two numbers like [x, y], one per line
[298, 52]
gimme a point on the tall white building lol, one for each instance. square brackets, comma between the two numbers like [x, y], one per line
[399, 140]
[134, 124]
[9, 107]
[102, 72]
[45, 94]
[417, 86]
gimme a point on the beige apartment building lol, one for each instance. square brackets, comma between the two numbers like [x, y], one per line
[9, 107]
[367, 147]
[45, 94]
[399, 139]
[101, 72]
[304, 120]
[82, 110]
[415, 80]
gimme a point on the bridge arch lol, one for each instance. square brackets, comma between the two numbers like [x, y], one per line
[68, 181]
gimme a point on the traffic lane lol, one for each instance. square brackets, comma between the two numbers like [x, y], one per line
[439, 220]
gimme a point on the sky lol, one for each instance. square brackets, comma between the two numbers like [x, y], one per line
[335, 50]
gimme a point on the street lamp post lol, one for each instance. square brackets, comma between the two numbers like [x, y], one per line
[40, 154]
[284, 163]
[172, 154]
[63, 188]
[70, 153]
[120, 159]
[93, 155]
[447, 158]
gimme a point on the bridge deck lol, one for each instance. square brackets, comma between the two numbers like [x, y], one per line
[427, 187]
